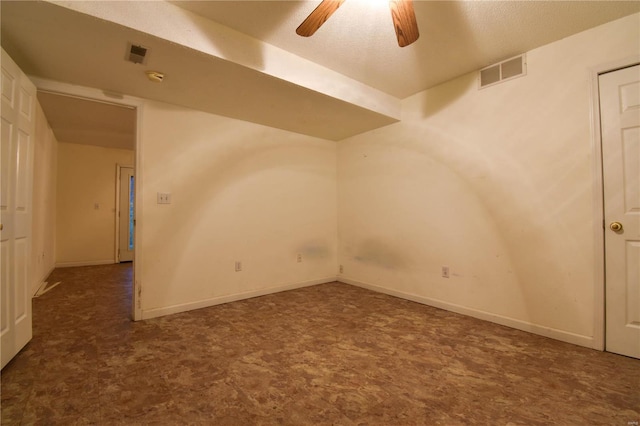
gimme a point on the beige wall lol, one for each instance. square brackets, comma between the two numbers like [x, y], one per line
[240, 192]
[44, 201]
[87, 176]
[496, 183]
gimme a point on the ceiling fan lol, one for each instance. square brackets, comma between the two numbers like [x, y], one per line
[402, 14]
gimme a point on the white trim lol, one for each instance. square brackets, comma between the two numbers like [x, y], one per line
[45, 288]
[84, 263]
[598, 217]
[189, 306]
[136, 305]
[598, 199]
[128, 101]
[565, 336]
[40, 281]
[83, 92]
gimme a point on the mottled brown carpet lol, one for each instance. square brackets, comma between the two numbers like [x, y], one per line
[331, 354]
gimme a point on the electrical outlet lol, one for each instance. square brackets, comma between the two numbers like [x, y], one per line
[445, 272]
[299, 258]
[238, 266]
[164, 198]
[341, 269]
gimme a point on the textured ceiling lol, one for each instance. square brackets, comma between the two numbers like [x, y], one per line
[242, 59]
[456, 37]
[82, 121]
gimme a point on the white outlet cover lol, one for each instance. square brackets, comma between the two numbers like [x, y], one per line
[445, 272]
[164, 198]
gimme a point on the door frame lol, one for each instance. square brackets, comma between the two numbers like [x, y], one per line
[598, 197]
[98, 95]
[119, 167]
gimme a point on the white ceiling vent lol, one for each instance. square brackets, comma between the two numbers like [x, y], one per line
[137, 54]
[503, 71]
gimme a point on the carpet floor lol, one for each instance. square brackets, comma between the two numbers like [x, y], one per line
[330, 354]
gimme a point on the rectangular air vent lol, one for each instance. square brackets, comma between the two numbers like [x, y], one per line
[503, 71]
[137, 54]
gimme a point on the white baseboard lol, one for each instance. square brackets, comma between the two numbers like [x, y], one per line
[40, 281]
[189, 306]
[84, 263]
[553, 333]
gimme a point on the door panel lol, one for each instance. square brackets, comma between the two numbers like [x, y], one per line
[17, 128]
[21, 260]
[5, 156]
[631, 155]
[620, 126]
[633, 277]
[4, 271]
[22, 172]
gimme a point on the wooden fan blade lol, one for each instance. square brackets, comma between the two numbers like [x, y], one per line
[318, 17]
[404, 21]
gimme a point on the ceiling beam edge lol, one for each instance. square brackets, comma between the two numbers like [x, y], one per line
[172, 23]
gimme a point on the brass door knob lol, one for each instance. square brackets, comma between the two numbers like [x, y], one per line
[615, 226]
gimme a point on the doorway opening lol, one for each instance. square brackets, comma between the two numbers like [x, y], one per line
[112, 132]
[125, 214]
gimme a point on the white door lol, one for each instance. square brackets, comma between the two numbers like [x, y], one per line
[126, 215]
[16, 177]
[620, 126]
